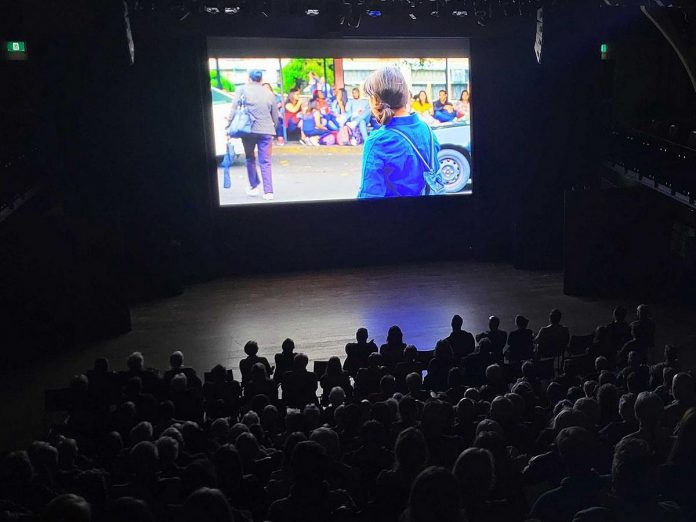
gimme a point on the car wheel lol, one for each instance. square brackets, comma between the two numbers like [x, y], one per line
[456, 169]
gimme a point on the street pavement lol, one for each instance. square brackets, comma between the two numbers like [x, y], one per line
[300, 173]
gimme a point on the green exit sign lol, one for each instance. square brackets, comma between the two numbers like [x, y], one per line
[16, 47]
[604, 48]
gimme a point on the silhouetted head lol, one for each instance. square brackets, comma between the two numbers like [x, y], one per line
[207, 505]
[576, 448]
[648, 409]
[300, 362]
[521, 322]
[620, 314]
[434, 497]
[475, 473]
[555, 316]
[308, 463]
[643, 312]
[135, 361]
[288, 346]
[493, 323]
[457, 322]
[395, 336]
[410, 451]
[251, 348]
[67, 508]
[683, 389]
[633, 471]
[361, 335]
[176, 359]
[410, 353]
[101, 365]
[333, 366]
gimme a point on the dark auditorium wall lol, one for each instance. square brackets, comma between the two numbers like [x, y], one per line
[128, 150]
[650, 82]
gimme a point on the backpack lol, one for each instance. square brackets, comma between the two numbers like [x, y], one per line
[432, 174]
[344, 135]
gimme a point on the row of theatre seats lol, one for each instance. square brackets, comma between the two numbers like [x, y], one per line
[663, 153]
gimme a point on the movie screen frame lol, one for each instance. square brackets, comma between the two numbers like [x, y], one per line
[322, 171]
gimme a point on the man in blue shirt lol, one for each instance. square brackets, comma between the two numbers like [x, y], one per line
[358, 112]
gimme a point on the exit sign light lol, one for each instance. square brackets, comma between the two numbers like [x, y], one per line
[604, 48]
[16, 47]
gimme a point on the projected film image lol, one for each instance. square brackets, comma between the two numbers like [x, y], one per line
[312, 129]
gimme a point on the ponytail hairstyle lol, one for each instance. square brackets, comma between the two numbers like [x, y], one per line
[388, 88]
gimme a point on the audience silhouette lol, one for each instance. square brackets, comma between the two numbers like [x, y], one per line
[486, 433]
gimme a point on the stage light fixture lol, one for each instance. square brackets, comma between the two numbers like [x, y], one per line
[312, 7]
[353, 12]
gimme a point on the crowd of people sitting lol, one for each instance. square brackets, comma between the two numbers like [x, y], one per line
[332, 117]
[477, 429]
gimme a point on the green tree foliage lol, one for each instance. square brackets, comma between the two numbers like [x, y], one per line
[296, 71]
[223, 84]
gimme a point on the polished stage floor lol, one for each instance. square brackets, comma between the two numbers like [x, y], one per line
[211, 322]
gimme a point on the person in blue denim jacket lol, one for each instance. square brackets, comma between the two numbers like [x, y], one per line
[391, 167]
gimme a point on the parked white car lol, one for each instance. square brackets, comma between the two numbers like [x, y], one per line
[455, 155]
[222, 103]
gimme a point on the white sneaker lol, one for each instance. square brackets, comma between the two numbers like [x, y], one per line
[252, 191]
[268, 196]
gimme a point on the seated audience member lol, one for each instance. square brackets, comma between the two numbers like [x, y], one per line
[671, 360]
[367, 380]
[434, 498]
[392, 351]
[553, 338]
[644, 325]
[684, 395]
[260, 384]
[136, 368]
[339, 475]
[358, 352]
[436, 425]
[409, 364]
[188, 402]
[520, 341]
[619, 330]
[283, 360]
[616, 430]
[251, 348]
[394, 484]
[497, 337]
[299, 385]
[333, 377]
[439, 367]
[414, 387]
[664, 390]
[582, 487]
[207, 505]
[633, 479]
[635, 366]
[223, 388]
[474, 471]
[310, 498]
[678, 475]
[371, 457]
[455, 385]
[176, 362]
[649, 409]
[67, 507]
[638, 344]
[602, 344]
[461, 341]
